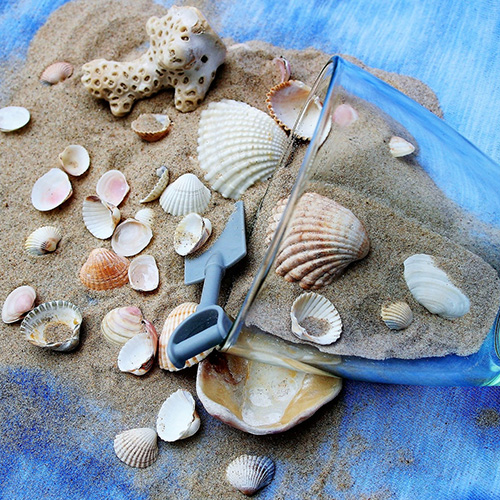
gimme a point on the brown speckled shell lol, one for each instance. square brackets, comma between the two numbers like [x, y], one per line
[104, 270]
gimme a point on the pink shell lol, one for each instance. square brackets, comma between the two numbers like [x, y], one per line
[56, 73]
[112, 187]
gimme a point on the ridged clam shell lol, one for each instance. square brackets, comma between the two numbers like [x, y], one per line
[400, 147]
[138, 354]
[131, 237]
[146, 216]
[431, 287]
[112, 187]
[397, 315]
[51, 190]
[120, 324]
[104, 270]
[75, 160]
[323, 239]
[137, 447]
[13, 118]
[100, 217]
[159, 187]
[187, 194]
[151, 127]
[316, 319]
[238, 145]
[56, 72]
[191, 234]
[143, 273]
[53, 325]
[18, 303]
[43, 240]
[250, 473]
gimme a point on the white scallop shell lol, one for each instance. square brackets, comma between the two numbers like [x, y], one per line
[400, 147]
[18, 303]
[316, 319]
[187, 194]
[50, 190]
[238, 145]
[431, 287]
[137, 447]
[159, 187]
[177, 418]
[112, 187]
[151, 127]
[250, 473]
[191, 234]
[131, 237]
[397, 315]
[56, 72]
[100, 217]
[13, 118]
[143, 273]
[75, 159]
[146, 216]
[55, 314]
[43, 240]
[120, 324]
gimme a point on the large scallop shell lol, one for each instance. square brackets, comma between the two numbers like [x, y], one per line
[323, 239]
[431, 287]
[238, 145]
[151, 127]
[51, 190]
[250, 473]
[13, 118]
[138, 354]
[18, 303]
[187, 194]
[397, 315]
[100, 217]
[53, 325]
[191, 234]
[43, 240]
[120, 324]
[112, 187]
[137, 447]
[104, 270]
[143, 273]
[75, 160]
[131, 237]
[159, 187]
[56, 72]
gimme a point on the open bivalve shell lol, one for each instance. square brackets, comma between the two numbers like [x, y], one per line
[138, 354]
[13, 118]
[177, 418]
[51, 190]
[259, 398]
[121, 324]
[250, 473]
[159, 187]
[143, 273]
[100, 217]
[104, 270]
[187, 194]
[75, 160]
[316, 319]
[53, 325]
[56, 73]
[18, 303]
[431, 287]
[397, 315]
[131, 237]
[151, 127]
[137, 447]
[43, 240]
[238, 145]
[112, 187]
[191, 234]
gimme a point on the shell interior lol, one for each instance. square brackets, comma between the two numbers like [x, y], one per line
[137, 447]
[137, 354]
[13, 118]
[187, 194]
[131, 237]
[51, 190]
[43, 240]
[250, 473]
[112, 187]
[120, 324]
[151, 127]
[177, 418]
[191, 234]
[143, 273]
[100, 217]
[18, 303]
[75, 159]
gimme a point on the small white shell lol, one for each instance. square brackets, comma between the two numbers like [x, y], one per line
[146, 216]
[397, 315]
[159, 187]
[51, 190]
[13, 118]
[18, 303]
[151, 127]
[100, 217]
[316, 319]
[75, 160]
[143, 273]
[400, 147]
[250, 473]
[344, 115]
[187, 194]
[137, 447]
[43, 240]
[191, 234]
[112, 187]
[120, 324]
[138, 353]
[177, 418]
[131, 237]
[56, 72]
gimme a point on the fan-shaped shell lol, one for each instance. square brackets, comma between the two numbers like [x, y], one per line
[400, 147]
[13, 118]
[397, 315]
[146, 216]
[112, 187]
[138, 354]
[143, 273]
[131, 237]
[187, 194]
[75, 160]
[100, 217]
[56, 72]
[18, 303]
[137, 447]
[51, 190]
[238, 145]
[43, 240]
[104, 270]
[250, 473]
[54, 325]
[121, 324]
[159, 187]
[191, 234]
[323, 239]
[431, 287]
[151, 127]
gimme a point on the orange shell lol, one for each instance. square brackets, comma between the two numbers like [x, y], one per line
[104, 270]
[56, 73]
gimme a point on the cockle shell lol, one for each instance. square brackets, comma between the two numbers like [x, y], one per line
[146, 216]
[120, 324]
[131, 237]
[323, 239]
[316, 319]
[151, 127]
[53, 325]
[104, 270]
[400, 147]
[396, 315]
[18, 303]
[75, 160]
[250, 473]
[137, 447]
[56, 72]
[159, 187]
[112, 187]
[187, 194]
[191, 234]
[13, 118]
[238, 145]
[143, 273]
[138, 354]
[177, 418]
[43, 240]
[431, 287]
[51, 190]
[100, 217]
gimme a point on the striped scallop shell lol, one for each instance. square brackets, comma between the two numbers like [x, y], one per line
[104, 270]
[120, 324]
[159, 187]
[322, 240]
[238, 145]
[250, 473]
[187, 194]
[43, 240]
[100, 217]
[137, 447]
[397, 315]
[56, 72]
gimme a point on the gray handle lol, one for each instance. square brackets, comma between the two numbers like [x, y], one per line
[214, 271]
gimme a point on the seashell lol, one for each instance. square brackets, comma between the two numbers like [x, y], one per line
[344, 115]
[53, 325]
[191, 234]
[151, 127]
[75, 160]
[104, 270]
[400, 147]
[146, 216]
[285, 102]
[159, 187]
[143, 273]
[131, 237]
[283, 67]
[250, 473]
[316, 319]
[137, 447]
[187, 194]
[260, 398]
[13, 118]
[174, 319]
[43, 240]
[431, 287]
[18, 303]
[397, 315]
[177, 418]
[121, 324]
[51, 190]
[112, 187]
[138, 354]
[323, 239]
[100, 217]
[56, 73]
